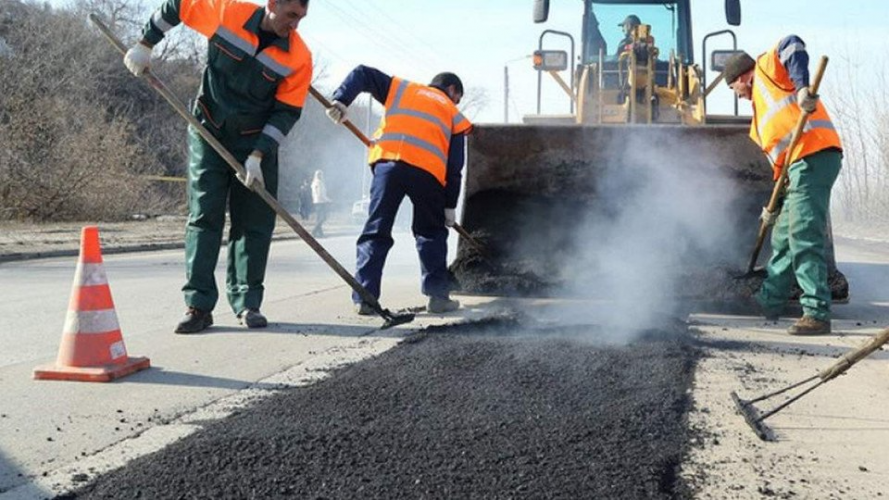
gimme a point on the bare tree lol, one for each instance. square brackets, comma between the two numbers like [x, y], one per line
[861, 112]
[475, 100]
[69, 119]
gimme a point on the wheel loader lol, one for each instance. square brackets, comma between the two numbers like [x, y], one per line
[636, 191]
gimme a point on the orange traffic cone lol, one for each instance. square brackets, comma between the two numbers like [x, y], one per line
[92, 346]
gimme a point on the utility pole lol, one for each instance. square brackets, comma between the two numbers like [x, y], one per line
[506, 86]
[505, 94]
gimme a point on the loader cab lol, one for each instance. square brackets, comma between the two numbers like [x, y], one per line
[667, 26]
[602, 20]
[601, 72]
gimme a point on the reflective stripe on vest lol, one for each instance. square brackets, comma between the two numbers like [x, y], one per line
[417, 128]
[776, 113]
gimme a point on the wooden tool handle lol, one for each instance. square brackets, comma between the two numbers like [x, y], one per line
[779, 183]
[349, 125]
[853, 357]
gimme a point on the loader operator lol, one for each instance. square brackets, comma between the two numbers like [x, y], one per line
[252, 92]
[417, 152]
[628, 26]
[778, 84]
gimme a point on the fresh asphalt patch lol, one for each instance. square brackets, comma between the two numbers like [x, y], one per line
[470, 411]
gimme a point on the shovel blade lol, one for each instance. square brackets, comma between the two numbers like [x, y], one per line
[396, 319]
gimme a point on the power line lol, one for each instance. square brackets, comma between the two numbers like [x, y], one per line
[378, 37]
[404, 28]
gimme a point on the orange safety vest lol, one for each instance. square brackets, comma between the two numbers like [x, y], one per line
[775, 113]
[226, 19]
[417, 128]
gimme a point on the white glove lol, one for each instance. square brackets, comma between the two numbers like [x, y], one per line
[450, 217]
[337, 112]
[769, 218]
[806, 100]
[253, 166]
[137, 59]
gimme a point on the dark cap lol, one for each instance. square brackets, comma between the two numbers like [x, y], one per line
[445, 80]
[737, 65]
[632, 20]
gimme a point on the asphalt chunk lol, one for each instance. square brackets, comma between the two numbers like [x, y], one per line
[469, 412]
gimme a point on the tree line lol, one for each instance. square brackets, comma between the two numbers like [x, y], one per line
[82, 139]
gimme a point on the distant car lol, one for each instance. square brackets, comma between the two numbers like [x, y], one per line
[360, 210]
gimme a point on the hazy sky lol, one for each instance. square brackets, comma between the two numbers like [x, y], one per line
[475, 38]
[415, 39]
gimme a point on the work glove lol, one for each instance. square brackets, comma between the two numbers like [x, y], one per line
[769, 218]
[253, 166]
[450, 217]
[806, 100]
[337, 112]
[137, 59]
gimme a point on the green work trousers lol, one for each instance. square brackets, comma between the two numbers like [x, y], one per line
[799, 238]
[211, 184]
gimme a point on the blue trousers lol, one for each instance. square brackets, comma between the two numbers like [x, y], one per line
[392, 181]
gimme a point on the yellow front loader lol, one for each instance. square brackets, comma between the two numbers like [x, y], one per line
[636, 174]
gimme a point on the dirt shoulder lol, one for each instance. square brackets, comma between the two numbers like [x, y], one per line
[19, 241]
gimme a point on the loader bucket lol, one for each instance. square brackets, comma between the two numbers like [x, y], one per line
[564, 210]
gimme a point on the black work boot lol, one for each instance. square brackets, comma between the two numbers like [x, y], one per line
[441, 305]
[194, 321]
[808, 325]
[252, 318]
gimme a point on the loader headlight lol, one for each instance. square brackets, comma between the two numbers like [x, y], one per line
[718, 58]
[550, 60]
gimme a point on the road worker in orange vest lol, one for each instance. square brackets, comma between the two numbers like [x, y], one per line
[252, 92]
[418, 153]
[778, 84]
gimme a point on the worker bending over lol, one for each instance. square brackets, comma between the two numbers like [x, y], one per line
[252, 92]
[417, 152]
[778, 84]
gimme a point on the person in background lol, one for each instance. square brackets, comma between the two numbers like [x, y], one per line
[305, 200]
[418, 153]
[777, 83]
[320, 202]
[252, 93]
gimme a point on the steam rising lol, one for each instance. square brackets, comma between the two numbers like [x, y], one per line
[666, 212]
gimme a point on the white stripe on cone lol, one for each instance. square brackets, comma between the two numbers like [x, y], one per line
[90, 275]
[87, 322]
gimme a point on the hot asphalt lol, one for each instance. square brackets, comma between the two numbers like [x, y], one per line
[495, 410]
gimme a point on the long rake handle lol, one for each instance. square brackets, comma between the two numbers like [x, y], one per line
[779, 183]
[367, 142]
[853, 357]
[180, 108]
[825, 375]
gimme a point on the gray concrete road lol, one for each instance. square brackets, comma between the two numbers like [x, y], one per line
[831, 443]
[49, 430]
[56, 434]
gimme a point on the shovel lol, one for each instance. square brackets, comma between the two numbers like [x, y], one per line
[778, 190]
[391, 319]
[367, 142]
[755, 419]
